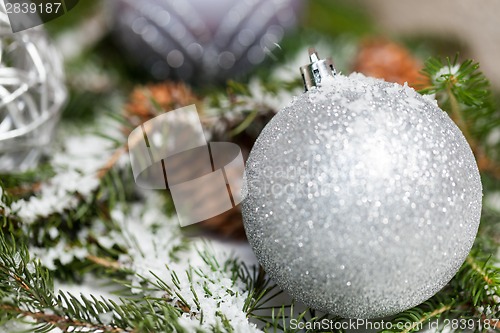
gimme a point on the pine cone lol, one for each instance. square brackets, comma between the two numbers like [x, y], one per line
[230, 223]
[390, 61]
[147, 102]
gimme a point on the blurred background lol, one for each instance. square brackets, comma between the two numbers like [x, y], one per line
[473, 27]
[206, 45]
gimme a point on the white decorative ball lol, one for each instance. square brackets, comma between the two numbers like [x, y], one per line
[32, 92]
[364, 198]
[202, 40]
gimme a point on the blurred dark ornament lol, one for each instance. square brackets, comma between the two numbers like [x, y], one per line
[203, 40]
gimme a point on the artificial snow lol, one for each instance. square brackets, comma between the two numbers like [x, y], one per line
[3, 206]
[358, 83]
[151, 236]
[106, 318]
[446, 70]
[61, 252]
[76, 166]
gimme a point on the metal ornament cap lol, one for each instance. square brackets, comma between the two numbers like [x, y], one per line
[317, 71]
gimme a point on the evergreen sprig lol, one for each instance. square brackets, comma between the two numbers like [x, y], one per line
[27, 291]
[464, 91]
[414, 319]
[463, 80]
[479, 279]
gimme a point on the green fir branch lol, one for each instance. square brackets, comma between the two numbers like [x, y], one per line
[27, 291]
[479, 280]
[464, 91]
[415, 319]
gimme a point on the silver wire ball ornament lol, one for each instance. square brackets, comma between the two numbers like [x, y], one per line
[201, 40]
[32, 92]
[364, 198]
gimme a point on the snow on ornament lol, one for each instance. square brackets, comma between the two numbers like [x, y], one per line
[200, 39]
[364, 197]
[32, 93]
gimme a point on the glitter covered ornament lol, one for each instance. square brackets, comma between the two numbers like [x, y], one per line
[200, 39]
[364, 198]
[32, 92]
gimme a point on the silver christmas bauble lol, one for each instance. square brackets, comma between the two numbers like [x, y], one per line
[363, 198]
[32, 92]
[199, 39]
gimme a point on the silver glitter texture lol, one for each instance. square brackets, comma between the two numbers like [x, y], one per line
[32, 92]
[200, 40]
[364, 198]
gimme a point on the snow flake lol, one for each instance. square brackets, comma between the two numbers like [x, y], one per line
[446, 70]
